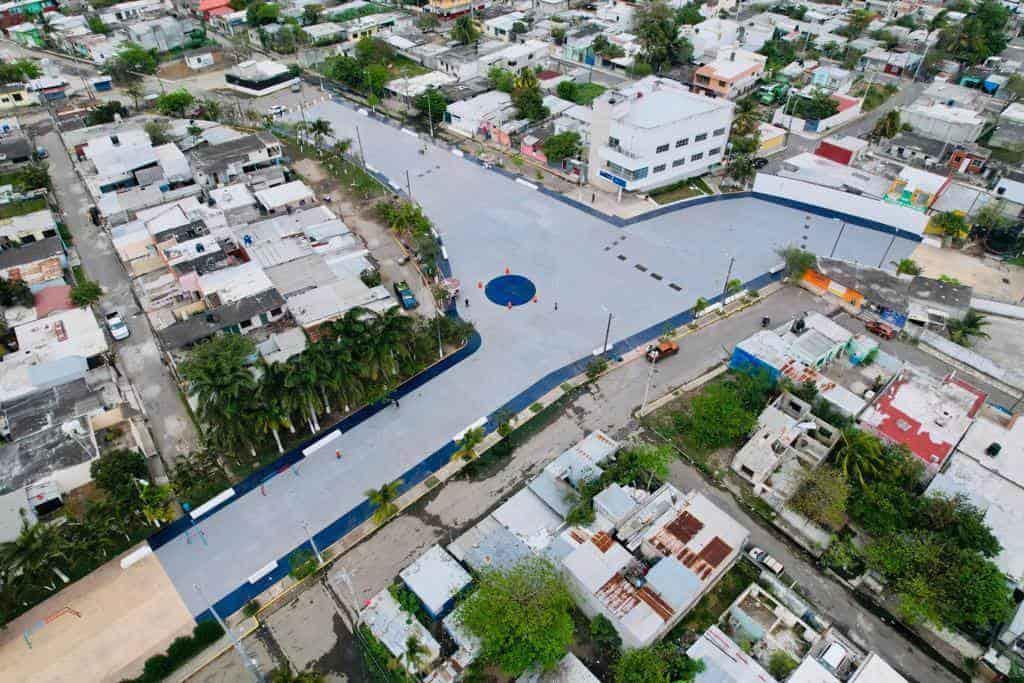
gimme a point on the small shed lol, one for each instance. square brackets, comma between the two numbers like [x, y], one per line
[436, 578]
[199, 59]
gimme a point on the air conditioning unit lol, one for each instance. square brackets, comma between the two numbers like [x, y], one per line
[993, 449]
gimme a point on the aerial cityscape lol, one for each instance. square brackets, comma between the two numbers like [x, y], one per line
[546, 341]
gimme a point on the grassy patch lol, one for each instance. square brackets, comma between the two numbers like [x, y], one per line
[431, 482]
[21, 208]
[1007, 156]
[684, 189]
[537, 406]
[711, 606]
[79, 273]
[566, 386]
[876, 96]
[587, 92]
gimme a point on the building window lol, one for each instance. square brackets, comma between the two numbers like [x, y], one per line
[682, 143]
[700, 138]
[661, 148]
[722, 84]
[275, 312]
[719, 131]
[678, 162]
[715, 152]
[17, 97]
[245, 324]
[697, 157]
[659, 168]
[613, 142]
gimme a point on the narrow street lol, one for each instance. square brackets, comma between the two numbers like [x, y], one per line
[609, 406]
[138, 356]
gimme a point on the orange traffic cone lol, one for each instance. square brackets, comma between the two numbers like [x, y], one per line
[535, 299]
[479, 284]
[507, 271]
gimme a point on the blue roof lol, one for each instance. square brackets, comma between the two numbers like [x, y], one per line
[674, 582]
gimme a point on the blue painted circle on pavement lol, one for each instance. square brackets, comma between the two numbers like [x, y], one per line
[514, 289]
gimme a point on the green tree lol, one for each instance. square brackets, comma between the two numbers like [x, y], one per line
[19, 70]
[822, 498]
[383, 501]
[567, 145]
[96, 25]
[529, 103]
[131, 62]
[217, 374]
[604, 635]
[86, 292]
[467, 445]
[965, 330]
[907, 266]
[654, 24]
[116, 474]
[522, 616]
[261, 13]
[860, 456]
[798, 261]
[1015, 87]
[15, 293]
[717, 417]
[888, 126]
[311, 14]
[780, 665]
[603, 47]
[432, 104]
[465, 30]
[689, 14]
[31, 560]
[741, 168]
[980, 35]
[664, 663]
[175, 103]
[428, 21]
[501, 79]
[158, 132]
[952, 223]
[415, 655]
[105, 113]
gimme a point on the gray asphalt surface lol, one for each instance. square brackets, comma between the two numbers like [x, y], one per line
[489, 223]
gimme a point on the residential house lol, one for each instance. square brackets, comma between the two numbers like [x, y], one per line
[843, 149]
[453, 8]
[731, 75]
[526, 55]
[1009, 132]
[916, 189]
[26, 228]
[14, 150]
[468, 117]
[987, 468]
[436, 578]
[394, 628]
[710, 36]
[725, 661]
[224, 163]
[683, 544]
[324, 33]
[372, 24]
[259, 77]
[892, 63]
[27, 35]
[821, 170]
[926, 415]
[654, 132]
[133, 10]
[568, 670]
[15, 95]
[38, 264]
[832, 78]
[162, 34]
[20, 11]
[285, 197]
[944, 122]
[501, 27]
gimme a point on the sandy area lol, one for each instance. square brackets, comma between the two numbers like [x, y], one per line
[990, 277]
[127, 616]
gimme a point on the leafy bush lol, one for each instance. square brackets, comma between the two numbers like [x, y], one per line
[159, 667]
[605, 636]
[302, 563]
[597, 367]
[780, 665]
[86, 292]
[251, 608]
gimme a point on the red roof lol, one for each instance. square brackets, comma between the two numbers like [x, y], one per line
[52, 299]
[220, 11]
[208, 5]
[932, 433]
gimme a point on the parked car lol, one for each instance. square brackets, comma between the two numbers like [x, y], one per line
[883, 330]
[277, 110]
[118, 330]
[41, 153]
[297, 86]
[405, 295]
[760, 162]
[761, 556]
[661, 350]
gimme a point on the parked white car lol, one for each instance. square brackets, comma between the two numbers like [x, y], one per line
[277, 110]
[117, 327]
[761, 556]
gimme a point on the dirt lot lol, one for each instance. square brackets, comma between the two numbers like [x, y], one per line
[990, 277]
[127, 616]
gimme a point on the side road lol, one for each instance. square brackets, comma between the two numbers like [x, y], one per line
[609, 406]
[138, 356]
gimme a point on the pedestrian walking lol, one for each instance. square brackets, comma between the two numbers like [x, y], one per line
[467, 303]
[395, 401]
[556, 305]
[593, 197]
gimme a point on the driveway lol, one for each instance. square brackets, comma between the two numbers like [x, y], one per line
[138, 356]
[641, 276]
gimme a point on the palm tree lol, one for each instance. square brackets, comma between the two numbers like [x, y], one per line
[156, 503]
[270, 415]
[907, 266]
[383, 500]
[320, 129]
[415, 654]
[741, 169]
[526, 79]
[860, 455]
[135, 91]
[33, 554]
[465, 30]
[964, 330]
[217, 375]
[467, 446]
[303, 381]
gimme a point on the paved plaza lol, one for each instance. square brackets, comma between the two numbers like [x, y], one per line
[642, 275]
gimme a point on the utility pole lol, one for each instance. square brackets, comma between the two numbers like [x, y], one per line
[607, 332]
[886, 254]
[838, 237]
[728, 274]
[248, 662]
[359, 140]
[408, 185]
[653, 358]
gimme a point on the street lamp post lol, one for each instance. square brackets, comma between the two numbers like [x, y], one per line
[309, 535]
[838, 237]
[248, 662]
[607, 332]
[728, 274]
[653, 354]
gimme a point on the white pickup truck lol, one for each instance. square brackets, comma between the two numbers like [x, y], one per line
[761, 556]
